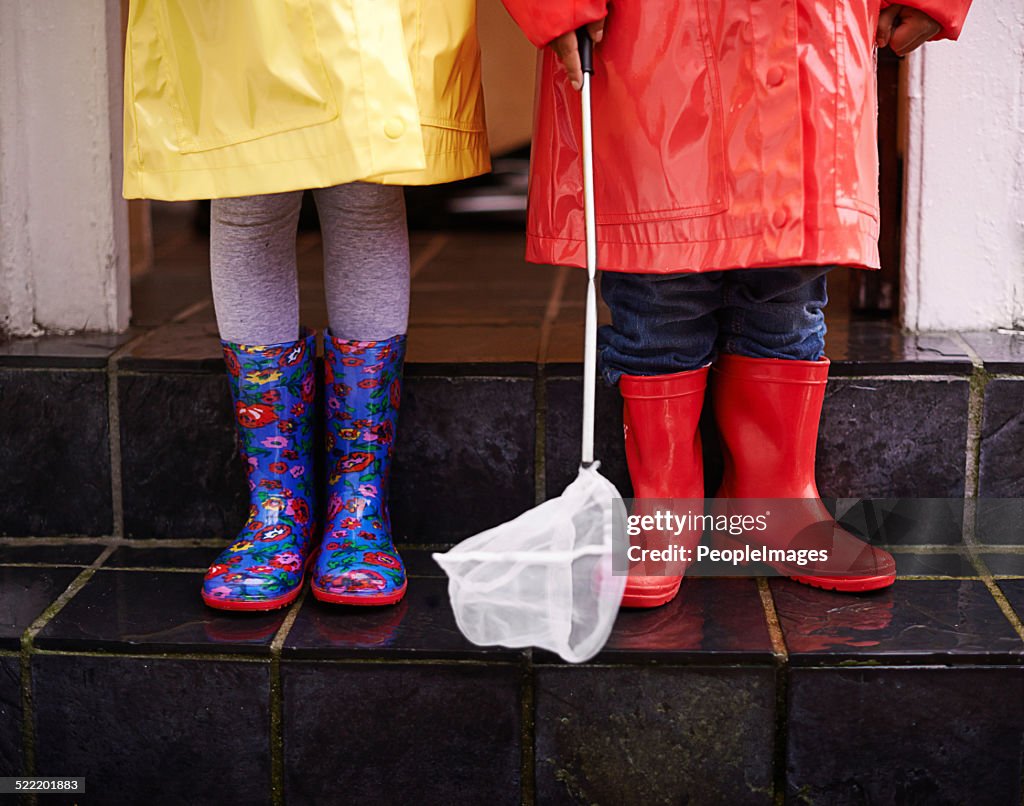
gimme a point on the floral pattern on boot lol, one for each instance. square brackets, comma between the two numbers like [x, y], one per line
[274, 389]
[358, 563]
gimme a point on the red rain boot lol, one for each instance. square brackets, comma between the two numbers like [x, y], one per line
[660, 415]
[767, 412]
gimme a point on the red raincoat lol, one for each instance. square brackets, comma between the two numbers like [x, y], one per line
[727, 134]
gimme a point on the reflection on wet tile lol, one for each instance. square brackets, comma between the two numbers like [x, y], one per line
[650, 734]
[905, 735]
[10, 716]
[877, 347]
[709, 621]
[154, 730]
[24, 594]
[423, 733]
[63, 554]
[1001, 352]
[919, 621]
[154, 611]
[77, 351]
[420, 626]
[192, 346]
[196, 557]
[946, 564]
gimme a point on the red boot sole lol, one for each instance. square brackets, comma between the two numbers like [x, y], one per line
[655, 598]
[848, 584]
[357, 599]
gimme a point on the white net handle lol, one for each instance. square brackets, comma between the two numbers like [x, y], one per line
[590, 336]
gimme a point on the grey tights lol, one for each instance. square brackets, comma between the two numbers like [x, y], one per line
[366, 264]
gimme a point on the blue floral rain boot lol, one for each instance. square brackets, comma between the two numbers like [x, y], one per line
[274, 388]
[358, 563]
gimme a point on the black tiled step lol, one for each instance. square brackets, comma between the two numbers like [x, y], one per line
[946, 564]
[154, 611]
[368, 733]
[879, 348]
[910, 735]
[709, 621]
[654, 735]
[24, 594]
[918, 621]
[1001, 474]
[195, 558]
[465, 457]
[60, 554]
[54, 453]
[1001, 352]
[10, 715]
[82, 351]
[181, 473]
[154, 730]
[421, 625]
[1013, 590]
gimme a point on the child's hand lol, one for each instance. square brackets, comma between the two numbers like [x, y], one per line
[568, 51]
[905, 29]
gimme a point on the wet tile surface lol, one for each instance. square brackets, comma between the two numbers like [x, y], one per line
[132, 557]
[436, 734]
[24, 594]
[709, 621]
[177, 347]
[919, 621]
[465, 457]
[888, 438]
[85, 350]
[54, 439]
[420, 626]
[654, 735]
[869, 347]
[158, 731]
[65, 554]
[1013, 590]
[181, 473]
[153, 611]
[1001, 473]
[1001, 352]
[484, 348]
[905, 736]
[1005, 564]
[946, 564]
[1000, 521]
[419, 563]
[10, 716]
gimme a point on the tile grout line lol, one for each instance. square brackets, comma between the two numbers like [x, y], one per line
[277, 701]
[27, 646]
[527, 708]
[114, 431]
[972, 484]
[781, 654]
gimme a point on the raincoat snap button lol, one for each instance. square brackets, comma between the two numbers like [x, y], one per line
[394, 128]
[779, 218]
[775, 76]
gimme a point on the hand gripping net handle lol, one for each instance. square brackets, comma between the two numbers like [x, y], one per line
[590, 337]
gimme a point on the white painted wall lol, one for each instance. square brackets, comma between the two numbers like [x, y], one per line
[63, 224]
[963, 266]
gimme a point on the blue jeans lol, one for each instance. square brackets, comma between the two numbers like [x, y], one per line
[666, 323]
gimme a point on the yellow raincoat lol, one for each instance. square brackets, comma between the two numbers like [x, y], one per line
[239, 97]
